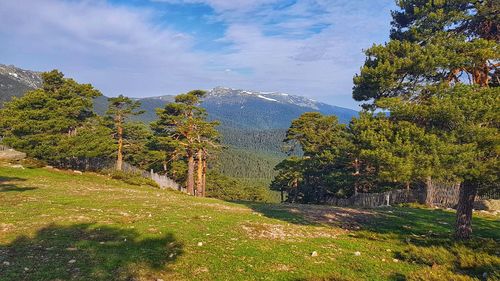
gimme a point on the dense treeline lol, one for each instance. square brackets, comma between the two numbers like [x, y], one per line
[241, 163]
[266, 140]
[438, 78]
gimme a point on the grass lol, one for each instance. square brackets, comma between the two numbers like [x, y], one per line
[57, 225]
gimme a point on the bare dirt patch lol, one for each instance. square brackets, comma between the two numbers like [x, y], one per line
[345, 218]
[287, 232]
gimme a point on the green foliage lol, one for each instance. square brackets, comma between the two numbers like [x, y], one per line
[45, 123]
[325, 165]
[240, 163]
[464, 119]
[396, 151]
[432, 42]
[121, 108]
[227, 188]
[130, 178]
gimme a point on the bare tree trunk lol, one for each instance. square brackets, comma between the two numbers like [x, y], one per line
[429, 192]
[119, 159]
[356, 175]
[204, 177]
[407, 191]
[282, 195]
[190, 175]
[463, 228]
[199, 174]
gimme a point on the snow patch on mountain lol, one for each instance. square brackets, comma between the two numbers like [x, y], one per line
[266, 98]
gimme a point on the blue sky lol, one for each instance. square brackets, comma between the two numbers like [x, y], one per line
[153, 47]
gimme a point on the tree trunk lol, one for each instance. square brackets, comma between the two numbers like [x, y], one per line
[356, 175]
[204, 178]
[199, 174]
[119, 159]
[429, 192]
[463, 228]
[190, 175]
[282, 195]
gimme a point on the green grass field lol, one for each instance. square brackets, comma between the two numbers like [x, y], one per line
[57, 225]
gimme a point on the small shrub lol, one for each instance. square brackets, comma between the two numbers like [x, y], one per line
[132, 178]
[428, 255]
[437, 273]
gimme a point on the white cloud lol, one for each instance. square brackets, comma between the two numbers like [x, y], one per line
[122, 49]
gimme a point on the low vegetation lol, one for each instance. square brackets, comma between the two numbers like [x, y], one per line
[63, 225]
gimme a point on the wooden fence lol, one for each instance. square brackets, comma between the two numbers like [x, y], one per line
[444, 195]
[162, 180]
[372, 200]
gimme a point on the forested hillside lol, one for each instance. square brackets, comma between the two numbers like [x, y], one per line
[252, 124]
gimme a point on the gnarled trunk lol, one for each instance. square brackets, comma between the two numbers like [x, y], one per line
[190, 174]
[463, 228]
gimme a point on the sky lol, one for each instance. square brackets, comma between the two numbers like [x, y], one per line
[142, 48]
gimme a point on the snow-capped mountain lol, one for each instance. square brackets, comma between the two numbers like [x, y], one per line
[14, 82]
[240, 96]
[254, 110]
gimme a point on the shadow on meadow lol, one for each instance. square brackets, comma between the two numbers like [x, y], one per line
[85, 252]
[8, 184]
[426, 233]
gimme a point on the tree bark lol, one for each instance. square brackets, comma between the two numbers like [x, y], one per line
[356, 176]
[204, 178]
[199, 174]
[463, 228]
[190, 174]
[119, 159]
[429, 192]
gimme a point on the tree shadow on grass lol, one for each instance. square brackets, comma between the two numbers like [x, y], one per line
[7, 184]
[85, 252]
[302, 214]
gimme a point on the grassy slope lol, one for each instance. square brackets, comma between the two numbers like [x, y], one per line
[88, 227]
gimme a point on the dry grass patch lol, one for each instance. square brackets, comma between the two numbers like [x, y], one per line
[287, 232]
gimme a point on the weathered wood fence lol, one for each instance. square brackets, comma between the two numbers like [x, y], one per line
[444, 195]
[162, 180]
[372, 200]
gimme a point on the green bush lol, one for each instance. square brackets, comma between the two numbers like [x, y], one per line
[131, 178]
[232, 189]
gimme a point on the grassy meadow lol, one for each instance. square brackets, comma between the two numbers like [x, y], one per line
[59, 225]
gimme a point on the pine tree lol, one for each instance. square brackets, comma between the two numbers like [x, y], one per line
[435, 46]
[464, 119]
[325, 163]
[183, 132]
[44, 120]
[119, 109]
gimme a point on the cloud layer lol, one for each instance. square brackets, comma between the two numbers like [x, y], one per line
[306, 47]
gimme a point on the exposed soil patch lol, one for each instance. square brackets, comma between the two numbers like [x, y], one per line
[345, 218]
[287, 232]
